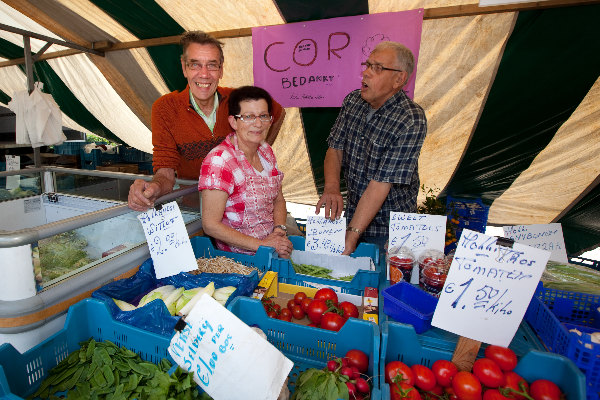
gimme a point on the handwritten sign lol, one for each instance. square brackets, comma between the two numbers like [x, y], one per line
[418, 232]
[542, 236]
[226, 356]
[325, 236]
[168, 240]
[488, 288]
[13, 163]
[317, 63]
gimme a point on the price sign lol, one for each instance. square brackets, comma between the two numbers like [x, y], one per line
[488, 288]
[168, 240]
[541, 236]
[324, 235]
[227, 357]
[13, 163]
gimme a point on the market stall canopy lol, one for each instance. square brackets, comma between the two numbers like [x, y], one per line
[511, 93]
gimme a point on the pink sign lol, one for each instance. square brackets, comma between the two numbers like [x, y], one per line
[317, 63]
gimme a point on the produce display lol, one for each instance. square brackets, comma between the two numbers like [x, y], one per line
[318, 272]
[342, 378]
[491, 378]
[102, 370]
[61, 254]
[571, 277]
[221, 265]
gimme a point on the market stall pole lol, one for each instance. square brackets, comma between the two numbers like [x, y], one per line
[465, 353]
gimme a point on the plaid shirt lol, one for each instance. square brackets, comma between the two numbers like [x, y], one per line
[381, 145]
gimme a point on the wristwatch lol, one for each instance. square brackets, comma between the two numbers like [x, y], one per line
[282, 227]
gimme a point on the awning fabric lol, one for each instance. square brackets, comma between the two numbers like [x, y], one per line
[512, 98]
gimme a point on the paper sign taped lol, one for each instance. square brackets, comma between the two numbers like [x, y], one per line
[13, 163]
[229, 360]
[542, 236]
[168, 240]
[325, 236]
[488, 288]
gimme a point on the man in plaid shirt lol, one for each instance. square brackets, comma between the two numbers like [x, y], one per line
[377, 139]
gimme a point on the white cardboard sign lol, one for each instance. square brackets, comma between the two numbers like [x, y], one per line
[324, 235]
[542, 236]
[488, 288]
[418, 232]
[229, 360]
[168, 240]
[13, 163]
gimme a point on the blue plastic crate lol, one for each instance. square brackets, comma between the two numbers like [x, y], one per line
[310, 347]
[70, 147]
[399, 342]
[261, 260]
[549, 311]
[90, 160]
[133, 155]
[408, 304]
[471, 214]
[22, 374]
[362, 278]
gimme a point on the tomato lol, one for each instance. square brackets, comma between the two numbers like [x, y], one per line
[424, 378]
[359, 359]
[276, 307]
[272, 314]
[403, 391]
[298, 297]
[433, 394]
[493, 394]
[543, 389]
[305, 303]
[316, 309]
[348, 309]
[466, 386]
[488, 372]
[297, 311]
[332, 321]
[398, 368]
[504, 357]
[444, 371]
[326, 294]
[285, 315]
[450, 393]
[291, 303]
[514, 381]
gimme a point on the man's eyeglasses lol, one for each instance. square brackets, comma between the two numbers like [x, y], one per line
[377, 68]
[250, 118]
[194, 66]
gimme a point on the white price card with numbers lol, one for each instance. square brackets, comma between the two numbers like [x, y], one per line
[542, 236]
[324, 235]
[488, 288]
[13, 163]
[168, 240]
[229, 359]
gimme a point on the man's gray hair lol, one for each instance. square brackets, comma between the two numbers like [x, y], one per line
[200, 38]
[405, 57]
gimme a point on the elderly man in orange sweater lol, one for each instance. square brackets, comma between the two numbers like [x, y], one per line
[186, 125]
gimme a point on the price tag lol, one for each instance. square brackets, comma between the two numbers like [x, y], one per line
[324, 235]
[13, 163]
[541, 236]
[488, 288]
[229, 360]
[168, 240]
[418, 232]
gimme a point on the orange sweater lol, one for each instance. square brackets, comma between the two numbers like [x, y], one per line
[181, 138]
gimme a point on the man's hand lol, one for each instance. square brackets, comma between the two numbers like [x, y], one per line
[142, 195]
[333, 204]
[280, 243]
[351, 243]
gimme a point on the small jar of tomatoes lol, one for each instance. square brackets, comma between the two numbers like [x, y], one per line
[400, 261]
[429, 257]
[433, 276]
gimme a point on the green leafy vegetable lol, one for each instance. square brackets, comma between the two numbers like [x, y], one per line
[316, 271]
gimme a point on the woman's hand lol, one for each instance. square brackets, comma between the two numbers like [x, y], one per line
[280, 243]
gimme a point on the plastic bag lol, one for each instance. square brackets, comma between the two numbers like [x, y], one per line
[154, 316]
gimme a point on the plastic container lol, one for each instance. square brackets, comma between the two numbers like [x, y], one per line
[400, 342]
[471, 214]
[21, 374]
[70, 147]
[433, 276]
[549, 313]
[410, 305]
[310, 347]
[362, 278]
[400, 262]
[133, 155]
[430, 257]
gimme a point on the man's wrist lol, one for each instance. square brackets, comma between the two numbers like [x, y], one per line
[355, 230]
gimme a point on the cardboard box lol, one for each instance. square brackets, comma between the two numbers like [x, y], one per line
[267, 287]
[371, 305]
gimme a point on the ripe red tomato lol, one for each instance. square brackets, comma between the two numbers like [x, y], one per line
[359, 359]
[543, 389]
[515, 381]
[297, 311]
[285, 314]
[424, 378]
[504, 357]
[290, 304]
[298, 297]
[398, 368]
[444, 371]
[305, 303]
[435, 393]
[315, 310]
[488, 372]
[466, 386]
[403, 391]
[272, 314]
[326, 294]
[493, 394]
[332, 321]
[348, 309]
